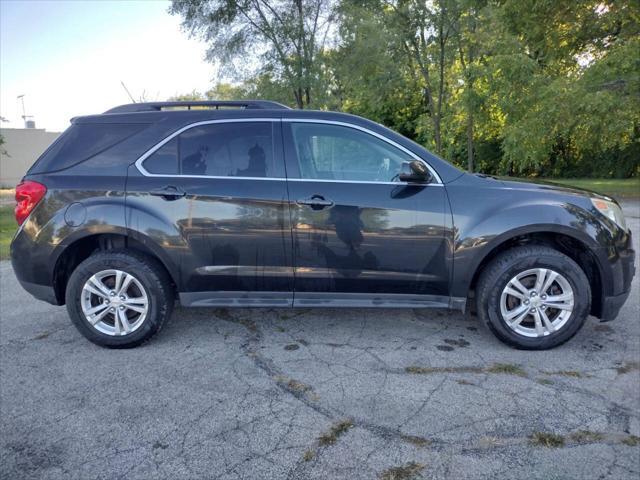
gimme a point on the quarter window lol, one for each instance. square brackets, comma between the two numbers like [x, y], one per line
[333, 152]
[235, 149]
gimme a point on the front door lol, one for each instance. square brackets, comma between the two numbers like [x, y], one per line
[221, 187]
[361, 236]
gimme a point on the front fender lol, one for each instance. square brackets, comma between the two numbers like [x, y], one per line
[479, 235]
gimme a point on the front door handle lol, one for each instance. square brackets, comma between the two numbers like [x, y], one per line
[316, 202]
[168, 192]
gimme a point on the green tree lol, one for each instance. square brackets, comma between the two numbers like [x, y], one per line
[519, 87]
[283, 38]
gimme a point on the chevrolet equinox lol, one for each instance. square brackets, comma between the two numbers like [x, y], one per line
[252, 204]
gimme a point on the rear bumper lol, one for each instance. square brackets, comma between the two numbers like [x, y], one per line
[41, 292]
[31, 268]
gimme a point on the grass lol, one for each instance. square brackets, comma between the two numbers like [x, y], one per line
[617, 188]
[631, 441]
[428, 370]
[499, 368]
[566, 373]
[628, 367]
[507, 369]
[549, 440]
[292, 385]
[337, 429]
[586, 436]
[406, 472]
[328, 438]
[8, 227]
[415, 440]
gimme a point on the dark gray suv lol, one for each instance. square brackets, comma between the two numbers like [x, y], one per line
[251, 204]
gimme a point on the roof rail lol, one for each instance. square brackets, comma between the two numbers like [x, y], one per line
[212, 104]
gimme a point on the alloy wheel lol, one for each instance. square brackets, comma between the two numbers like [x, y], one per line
[114, 302]
[537, 302]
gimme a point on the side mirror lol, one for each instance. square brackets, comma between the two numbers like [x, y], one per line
[418, 173]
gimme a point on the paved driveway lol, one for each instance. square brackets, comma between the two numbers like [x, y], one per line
[269, 394]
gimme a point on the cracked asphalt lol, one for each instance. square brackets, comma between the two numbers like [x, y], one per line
[316, 394]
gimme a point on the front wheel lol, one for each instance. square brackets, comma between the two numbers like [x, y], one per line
[533, 297]
[119, 299]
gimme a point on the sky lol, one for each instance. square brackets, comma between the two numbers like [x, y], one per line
[68, 58]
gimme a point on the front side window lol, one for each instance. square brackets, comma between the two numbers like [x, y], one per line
[235, 149]
[334, 152]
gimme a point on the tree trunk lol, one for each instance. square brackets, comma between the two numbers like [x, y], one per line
[436, 134]
[298, 94]
[470, 152]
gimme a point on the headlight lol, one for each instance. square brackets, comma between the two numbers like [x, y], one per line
[611, 210]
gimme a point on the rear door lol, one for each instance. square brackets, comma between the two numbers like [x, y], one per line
[214, 197]
[362, 237]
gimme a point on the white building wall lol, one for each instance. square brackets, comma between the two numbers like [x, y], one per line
[22, 146]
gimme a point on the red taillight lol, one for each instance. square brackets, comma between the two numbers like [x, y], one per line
[28, 194]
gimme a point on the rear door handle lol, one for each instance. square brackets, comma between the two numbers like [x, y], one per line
[316, 202]
[168, 192]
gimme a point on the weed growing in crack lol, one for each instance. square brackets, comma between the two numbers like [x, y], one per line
[426, 370]
[336, 430]
[586, 436]
[507, 369]
[628, 367]
[545, 439]
[544, 381]
[631, 441]
[502, 368]
[405, 472]
[566, 373]
[328, 438]
[415, 440]
[293, 385]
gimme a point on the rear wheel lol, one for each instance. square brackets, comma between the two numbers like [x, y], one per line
[533, 297]
[119, 299]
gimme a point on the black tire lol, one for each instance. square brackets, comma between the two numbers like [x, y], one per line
[149, 273]
[510, 263]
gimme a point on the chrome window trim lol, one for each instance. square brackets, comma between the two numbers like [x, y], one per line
[160, 144]
[152, 150]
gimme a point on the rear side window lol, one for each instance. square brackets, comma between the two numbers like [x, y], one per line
[235, 149]
[81, 142]
[164, 160]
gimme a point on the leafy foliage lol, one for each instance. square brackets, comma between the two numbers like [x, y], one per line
[526, 87]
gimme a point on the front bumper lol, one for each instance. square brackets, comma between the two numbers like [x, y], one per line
[611, 306]
[623, 270]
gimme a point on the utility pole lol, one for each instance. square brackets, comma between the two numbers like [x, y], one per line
[24, 115]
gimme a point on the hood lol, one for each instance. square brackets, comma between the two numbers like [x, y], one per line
[548, 187]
